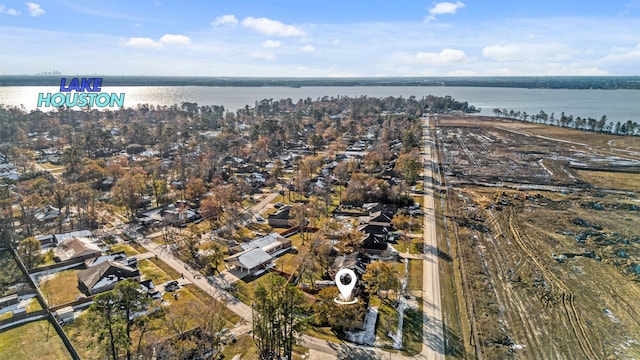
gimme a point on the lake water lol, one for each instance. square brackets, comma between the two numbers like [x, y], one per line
[618, 105]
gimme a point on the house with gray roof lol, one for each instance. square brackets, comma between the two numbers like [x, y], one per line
[105, 276]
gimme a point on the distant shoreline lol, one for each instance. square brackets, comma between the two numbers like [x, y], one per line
[531, 82]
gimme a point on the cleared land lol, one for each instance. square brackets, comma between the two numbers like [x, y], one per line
[541, 225]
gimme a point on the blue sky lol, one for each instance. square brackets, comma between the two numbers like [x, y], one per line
[304, 38]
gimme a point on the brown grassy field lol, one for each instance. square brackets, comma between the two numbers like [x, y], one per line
[30, 342]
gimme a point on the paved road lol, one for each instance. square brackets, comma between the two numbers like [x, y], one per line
[433, 339]
[323, 349]
[241, 309]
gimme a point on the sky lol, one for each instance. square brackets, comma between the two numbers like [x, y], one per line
[321, 38]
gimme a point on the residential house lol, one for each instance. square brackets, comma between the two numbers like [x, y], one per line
[180, 214]
[273, 244]
[280, 218]
[250, 261]
[355, 261]
[49, 213]
[105, 276]
[258, 254]
[76, 248]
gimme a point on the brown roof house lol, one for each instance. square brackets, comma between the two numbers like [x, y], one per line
[105, 276]
[80, 248]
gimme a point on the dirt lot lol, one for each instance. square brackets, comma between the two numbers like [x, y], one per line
[549, 250]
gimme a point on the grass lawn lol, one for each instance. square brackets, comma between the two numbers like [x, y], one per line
[387, 319]
[160, 328]
[166, 268]
[151, 271]
[128, 249]
[244, 290]
[415, 274]
[230, 317]
[30, 341]
[414, 244]
[419, 200]
[246, 348]
[7, 315]
[34, 305]
[158, 240]
[412, 331]
[323, 332]
[50, 166]
[81, 338]
[287, 263]
[48, 258]
[61, 288]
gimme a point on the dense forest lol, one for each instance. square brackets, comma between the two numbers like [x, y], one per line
[535, 82]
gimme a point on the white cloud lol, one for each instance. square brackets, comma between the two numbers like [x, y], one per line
[623, 56]
[529, 52]
[149, 43]
[175, 39]
[138, 25]
[225, 20]
[272, 27]
[308, 48]
[443, 8]
[34, 9]
[272, 44]
[263, 55]
[8, 11]
[142, 43]
[446, 56]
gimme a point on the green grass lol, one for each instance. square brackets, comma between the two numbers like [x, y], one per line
[230, 317]
[287, 263]
[412, 331]
[244, 291]
[414, 245]
[62, 288]
[82, 338]
[50, 166]
[30, 341]
[245, 347]
[415, 274]
[139, 248]
[48, 258]
[158, 240]
[166, 268]
[128, 249]
[323, 332]
[34, 305]
[151, 271]
[387, 319]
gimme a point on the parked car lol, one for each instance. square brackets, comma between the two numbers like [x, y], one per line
[278, 205]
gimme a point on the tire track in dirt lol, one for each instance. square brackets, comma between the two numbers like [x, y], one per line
[567, 296]
[514, 298]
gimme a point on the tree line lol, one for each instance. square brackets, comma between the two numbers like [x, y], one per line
[569, 121]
